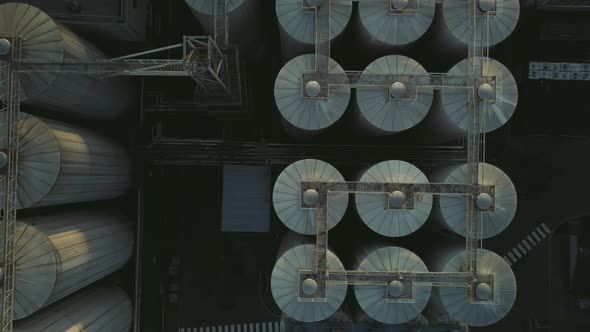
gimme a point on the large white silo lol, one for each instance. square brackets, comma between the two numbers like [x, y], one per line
[101, 308]
[302, 114]
[497, 105]
[493, 302]
[60, 163]
[374, 209]
[80, 96]
[118, 20]
[297, 21]
[287, 195]
[390, 110]
[285, 285]
[243, 21]
[386, 23]
[453, 209]
[60, 253]
[497, 26]
[384, 303]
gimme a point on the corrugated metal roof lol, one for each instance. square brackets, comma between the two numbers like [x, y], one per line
[396, 29]
[373, 208]
[284, 285]
[303, 113]
[455, 102]
[287, 195]
[61, 164]
[246, 199]
[501, 24]
[454, 209]
[372, 298]
[299, 22]
[41, 39]
[388, 114]
[94, 309]
[454, 299]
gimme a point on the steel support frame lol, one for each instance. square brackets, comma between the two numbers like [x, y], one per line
[209, 72]
[413, 83]
[221, 23]
[10, 99]
[321, 73]
[410, 190]
[323, 276]
[201, 60]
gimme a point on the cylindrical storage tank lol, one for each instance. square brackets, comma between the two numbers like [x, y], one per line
[60, 253]
[306, 116]
[502, 19]
[387, 23]
[453, 208]
[103, 308]
[493, 113]
[381, 109]
[118, 20]
[76, 95]
[374, 209]
[244, 24]
[286, 195]
[284, 285]
[61, 164]
[298, 24]
[493, 302]
[390, 308]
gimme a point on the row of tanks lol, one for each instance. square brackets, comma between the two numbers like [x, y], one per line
[389, 110]
[374, 209]
[433, 114]
[391, 24]
[384, 304]
[114, 20]
[63, 251]
[440, 114]
[437, 305]
[388, 25]
[381, 23]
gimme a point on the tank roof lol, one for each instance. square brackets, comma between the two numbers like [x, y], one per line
[373, 208]
[501, 23]
[299, 22]
[395, 29]
[39, 160]
[455, 102]
[285, 288]
[41, 39]
[287, 195]
[480, 313]
[453, 208]
[372, 299]
[384, 112]
[36, 266]
[304, 113]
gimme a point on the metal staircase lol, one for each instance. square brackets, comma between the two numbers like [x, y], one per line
[534, 238]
